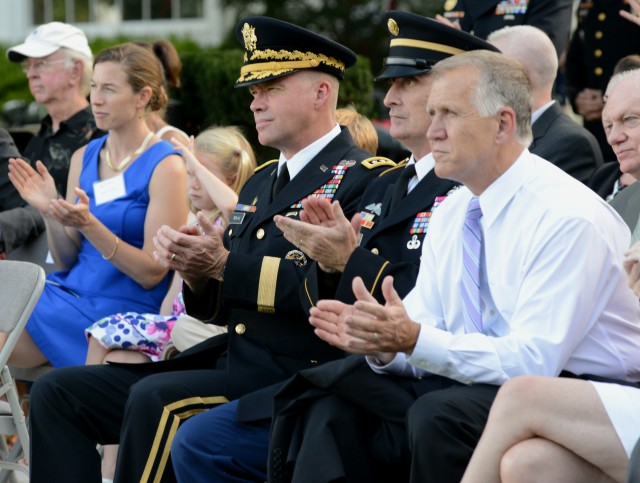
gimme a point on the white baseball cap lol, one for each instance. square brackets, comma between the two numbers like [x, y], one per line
[48, 38]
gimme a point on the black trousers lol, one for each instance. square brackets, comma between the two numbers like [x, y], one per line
[73, 409]
[342, 422]
[443, 428]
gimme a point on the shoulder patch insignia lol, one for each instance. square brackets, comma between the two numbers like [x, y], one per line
[265, 164]
[377, 162]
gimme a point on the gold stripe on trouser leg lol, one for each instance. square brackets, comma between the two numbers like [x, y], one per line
[172, 415]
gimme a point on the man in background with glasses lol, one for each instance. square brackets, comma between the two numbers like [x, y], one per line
[58, 63]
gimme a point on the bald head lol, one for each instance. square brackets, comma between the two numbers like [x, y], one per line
[532, 48]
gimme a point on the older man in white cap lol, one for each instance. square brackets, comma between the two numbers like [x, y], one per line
[58, 62]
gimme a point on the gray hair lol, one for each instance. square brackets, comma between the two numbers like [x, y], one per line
[87, 67]
[501, 82]
[617, 78]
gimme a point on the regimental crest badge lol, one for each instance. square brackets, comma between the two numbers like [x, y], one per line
[249, 36]
[297, 257]
[393, 27]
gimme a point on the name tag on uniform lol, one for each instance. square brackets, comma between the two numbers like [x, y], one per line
[238, 215]
[236, 218]
[109, 189]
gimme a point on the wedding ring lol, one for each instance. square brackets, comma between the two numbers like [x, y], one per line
[375, 337]
[172, 257]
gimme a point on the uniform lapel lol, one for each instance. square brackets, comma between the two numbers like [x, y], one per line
[420, 199]
[314, 175]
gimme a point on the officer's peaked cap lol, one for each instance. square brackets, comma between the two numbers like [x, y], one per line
[274, 48]
[417, 43]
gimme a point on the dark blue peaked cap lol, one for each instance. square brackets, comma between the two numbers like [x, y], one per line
[417, 43]
[274, 48]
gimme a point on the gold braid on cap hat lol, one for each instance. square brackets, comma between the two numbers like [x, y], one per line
[422, 44]
[283, 61]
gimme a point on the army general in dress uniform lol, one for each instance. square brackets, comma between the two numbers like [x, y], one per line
[247, 278]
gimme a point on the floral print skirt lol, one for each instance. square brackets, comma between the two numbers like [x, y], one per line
[147, 333]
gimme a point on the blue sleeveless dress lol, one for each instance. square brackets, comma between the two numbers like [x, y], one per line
[94, 288]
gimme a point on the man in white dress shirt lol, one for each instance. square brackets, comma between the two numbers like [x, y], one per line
[550, 295]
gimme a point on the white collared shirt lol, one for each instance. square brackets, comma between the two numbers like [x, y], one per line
[302, 157]
[553, 288]
[423, 166]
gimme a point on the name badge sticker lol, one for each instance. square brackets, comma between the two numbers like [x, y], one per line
[109, 189]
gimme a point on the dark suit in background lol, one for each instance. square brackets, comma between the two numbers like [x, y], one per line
[604, 179]
[560, 140]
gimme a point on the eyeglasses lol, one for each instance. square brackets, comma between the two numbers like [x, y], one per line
[39, 65]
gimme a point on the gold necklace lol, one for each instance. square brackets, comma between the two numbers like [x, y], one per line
[123, 164]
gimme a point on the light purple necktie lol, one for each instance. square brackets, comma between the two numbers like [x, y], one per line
[471, 253]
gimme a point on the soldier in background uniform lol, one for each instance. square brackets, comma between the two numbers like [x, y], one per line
[481, 17]
[601, 39]
[249, 282]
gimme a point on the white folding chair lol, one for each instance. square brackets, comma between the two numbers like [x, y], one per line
[21, 284]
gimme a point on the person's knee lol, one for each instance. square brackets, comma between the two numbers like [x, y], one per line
[516, 394]
[522, 463]
[430, 413]
[148, 392]
[46, 387]
[182, 444]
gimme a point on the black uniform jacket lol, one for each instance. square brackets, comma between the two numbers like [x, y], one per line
[391, 242]
[269, 336]
[481, 17]
[560, 140]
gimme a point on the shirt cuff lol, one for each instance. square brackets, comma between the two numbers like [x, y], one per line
[397, 366]
[430, 351]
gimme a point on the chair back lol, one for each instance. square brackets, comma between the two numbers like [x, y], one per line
[21, 284]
